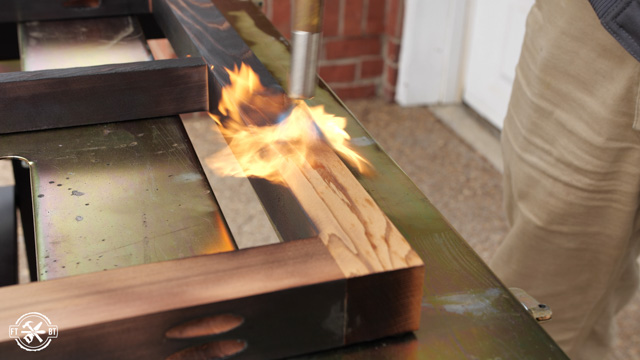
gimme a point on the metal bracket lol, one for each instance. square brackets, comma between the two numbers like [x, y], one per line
[540, 312]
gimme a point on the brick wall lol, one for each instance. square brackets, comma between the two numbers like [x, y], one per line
[361, 43]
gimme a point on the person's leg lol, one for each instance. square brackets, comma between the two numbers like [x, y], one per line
[572, 175]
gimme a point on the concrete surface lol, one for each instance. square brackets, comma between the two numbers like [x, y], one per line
[470, 127]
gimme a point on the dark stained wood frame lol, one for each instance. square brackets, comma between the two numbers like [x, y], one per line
[293, 298]
[45, 99]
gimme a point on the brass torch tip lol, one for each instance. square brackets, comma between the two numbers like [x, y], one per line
[306, 36]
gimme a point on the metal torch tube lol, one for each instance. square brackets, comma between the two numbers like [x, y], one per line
[305, 43]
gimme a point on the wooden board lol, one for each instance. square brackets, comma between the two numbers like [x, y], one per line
[354, 229]
[97, 94]
[27, 10]
[290, 298]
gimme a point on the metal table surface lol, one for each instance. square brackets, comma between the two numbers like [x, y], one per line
[466, 312]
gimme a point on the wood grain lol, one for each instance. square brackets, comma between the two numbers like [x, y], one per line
[291, 296]
[354, 229]
[37, 100]
[28, 10]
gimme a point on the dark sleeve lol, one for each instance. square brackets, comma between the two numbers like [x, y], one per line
[622, 19]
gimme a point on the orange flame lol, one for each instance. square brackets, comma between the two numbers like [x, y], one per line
[264, 149]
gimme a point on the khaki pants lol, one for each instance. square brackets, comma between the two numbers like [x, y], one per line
[572, 175]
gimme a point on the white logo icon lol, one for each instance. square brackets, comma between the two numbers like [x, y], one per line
[33, 331]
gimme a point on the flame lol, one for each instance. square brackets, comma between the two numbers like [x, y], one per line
[264, 149]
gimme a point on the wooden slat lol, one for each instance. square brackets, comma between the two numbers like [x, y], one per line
[96, 94]
[291, 297]
[27, 10]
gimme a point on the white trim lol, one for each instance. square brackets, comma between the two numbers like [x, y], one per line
[430, 64]
[497, 29]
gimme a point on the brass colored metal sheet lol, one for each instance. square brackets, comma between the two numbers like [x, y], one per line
[114, 195]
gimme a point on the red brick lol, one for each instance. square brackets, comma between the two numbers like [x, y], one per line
[393, 51]
[394, 18]
[352, 47]
[331, 18]
[391, 76]
[281, 17]
[352, 17]
[338, 73]
[355, 91]
[375, 17]
[371, 68]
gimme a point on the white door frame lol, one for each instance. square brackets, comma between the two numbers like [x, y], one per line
[432, 53]
[453, 45]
